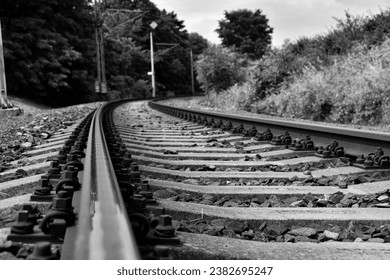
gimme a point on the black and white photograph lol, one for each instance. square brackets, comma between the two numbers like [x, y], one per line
[195, 139]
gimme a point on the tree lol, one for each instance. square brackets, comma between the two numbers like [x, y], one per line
[247, 31]
[218, 68]
[197, 43]
[48, 49]
[172, 68]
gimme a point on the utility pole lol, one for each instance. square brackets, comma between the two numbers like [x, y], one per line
[4, 102]
[101, 82]
[192, 72]
[153, 25]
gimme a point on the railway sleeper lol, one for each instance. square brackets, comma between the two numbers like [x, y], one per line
[267, 224]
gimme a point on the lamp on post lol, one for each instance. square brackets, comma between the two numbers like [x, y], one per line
[153, 25]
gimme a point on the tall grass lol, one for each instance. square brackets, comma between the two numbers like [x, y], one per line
[354, 89]
[342, 76]
[237, 97]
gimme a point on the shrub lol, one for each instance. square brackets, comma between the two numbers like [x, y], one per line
[352, 90]
[235, 98]
[219, 68]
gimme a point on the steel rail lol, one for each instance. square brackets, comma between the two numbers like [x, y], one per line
[104, 230]
[355, 141]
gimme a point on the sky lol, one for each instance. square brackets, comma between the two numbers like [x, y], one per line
[290, 19]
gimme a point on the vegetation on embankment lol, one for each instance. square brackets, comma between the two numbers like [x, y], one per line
[342, 76]
[50, 50]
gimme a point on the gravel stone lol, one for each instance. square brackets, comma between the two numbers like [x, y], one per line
[185, 197]
[212, 232]
[163, 194]
[259, 236]
[321, 202]
[231, 204]
[331, 235]
[323, 181]
[383, 198]
[191, 181]
[210, 197]
[301, 238]
[206, 202]
[7, 256]
[336, 197]
[289, 238]
[229, 233]
[235, 225]
[198, 228]
[376, 240]
[221, 201]
[249, 234]
[303, 231]
[309, 197]
[254, 204]
[299, 203]
[290, 200]
[265, 204]
[219, 224]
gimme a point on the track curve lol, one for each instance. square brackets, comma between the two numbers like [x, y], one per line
[178, 183]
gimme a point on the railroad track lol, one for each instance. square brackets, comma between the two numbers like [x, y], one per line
[163, 183]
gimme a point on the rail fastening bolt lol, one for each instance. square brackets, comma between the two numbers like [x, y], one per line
[42, 251]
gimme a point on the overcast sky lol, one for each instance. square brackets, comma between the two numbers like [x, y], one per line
[290, 19]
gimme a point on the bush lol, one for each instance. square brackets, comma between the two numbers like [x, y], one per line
[237, 97]
[219, 68]
[342, 76]
[352, 90]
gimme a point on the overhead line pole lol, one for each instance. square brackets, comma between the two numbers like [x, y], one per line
[192, 72]
[103, 62]
[101, 82]
[4, 102]
[152, 65]
[153, 25]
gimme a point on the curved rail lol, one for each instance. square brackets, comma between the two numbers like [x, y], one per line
[104, 230]
[355, 141]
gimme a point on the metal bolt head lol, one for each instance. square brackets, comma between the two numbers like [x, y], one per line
[158, 211]
[44, 183]
[70, 172]
[138, 202]
[145, 187]
[127, 155]
[23, 216]
[78, 147]
[379, 152]
[42, 251]
[62, 202]
[45, 177]
[42, 248]
[162, 251]
[134, 167]
[71, 157]
[62, 194]
[165, 220]
[27, 207]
